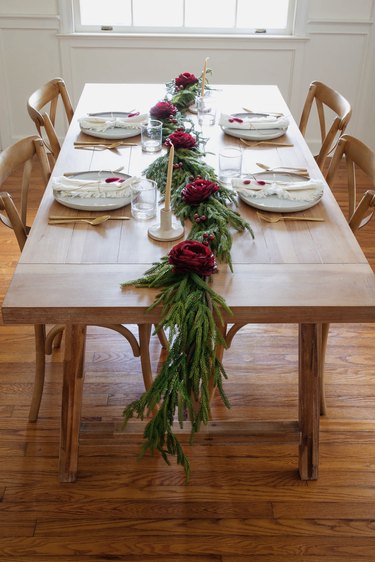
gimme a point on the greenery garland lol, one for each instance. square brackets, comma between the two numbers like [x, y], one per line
[192, 313]
[182, 90]
[191, 310]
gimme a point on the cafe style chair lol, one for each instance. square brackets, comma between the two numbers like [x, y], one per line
[42, 108]
[331, 106]
[356, 155]
[23, 154]
[11, 159]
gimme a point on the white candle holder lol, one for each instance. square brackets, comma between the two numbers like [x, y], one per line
[166, 230]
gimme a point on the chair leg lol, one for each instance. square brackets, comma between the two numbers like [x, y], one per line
[144, 331]
[53, 338]
[40, 364]
[163, 339]
[323, 404]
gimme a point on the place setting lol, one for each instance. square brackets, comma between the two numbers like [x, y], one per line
[112, 125]
[100, 190]
[252, 126]
[279, 189]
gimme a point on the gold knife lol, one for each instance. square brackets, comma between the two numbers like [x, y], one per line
[85, 217]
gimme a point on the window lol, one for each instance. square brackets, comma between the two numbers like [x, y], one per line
[275, 17]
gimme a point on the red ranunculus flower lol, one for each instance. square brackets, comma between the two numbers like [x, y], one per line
[199, 190]
[180, 139]
[185, 79]
[163, 110]
[192, 256]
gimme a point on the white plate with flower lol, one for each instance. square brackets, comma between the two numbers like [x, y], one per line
[95, 203]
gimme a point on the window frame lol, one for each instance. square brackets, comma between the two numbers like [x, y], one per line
[72, 20]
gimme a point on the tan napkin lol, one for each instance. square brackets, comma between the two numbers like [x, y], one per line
[249, 122]
[69, 187]
[101, 124]
[308, 190]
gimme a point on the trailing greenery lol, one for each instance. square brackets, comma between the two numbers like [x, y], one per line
[190, 313]
[185, 97]
[190, 165]
[211, 221]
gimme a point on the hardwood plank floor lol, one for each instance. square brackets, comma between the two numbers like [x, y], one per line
[244, 501]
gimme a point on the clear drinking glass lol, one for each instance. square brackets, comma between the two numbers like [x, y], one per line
[143, 199]
[230, 164]
[151, 135]
[206, 109]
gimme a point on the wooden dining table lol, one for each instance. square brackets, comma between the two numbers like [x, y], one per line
[305, 273]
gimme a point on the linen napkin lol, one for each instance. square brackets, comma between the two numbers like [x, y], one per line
[101, 124]
[109, 187]
[308, 190]
[251, 122]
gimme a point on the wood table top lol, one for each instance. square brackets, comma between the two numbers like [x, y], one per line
[290, 272]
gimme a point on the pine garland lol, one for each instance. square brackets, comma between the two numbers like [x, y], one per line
[189, 310]
[188, 164]
[211, 219]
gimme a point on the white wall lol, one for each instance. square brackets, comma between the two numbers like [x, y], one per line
[337, 46]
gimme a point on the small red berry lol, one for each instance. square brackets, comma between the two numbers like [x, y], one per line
[203, 218]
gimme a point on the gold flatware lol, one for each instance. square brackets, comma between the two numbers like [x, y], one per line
[85, 144]
[289, 168]
[253, 144]
[93, 222]
[70, 174]
[285, 218]
[83, 217]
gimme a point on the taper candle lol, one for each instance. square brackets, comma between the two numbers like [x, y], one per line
[204, 75]
[168, 185]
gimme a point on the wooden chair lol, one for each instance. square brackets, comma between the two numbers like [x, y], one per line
[11, 159]
[326, 99]
[356, 154]
[23, 153]
[50, 93]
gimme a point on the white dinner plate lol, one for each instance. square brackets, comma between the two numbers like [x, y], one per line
[114, 132]
[254, 134]
[95, 203]
[276, 204]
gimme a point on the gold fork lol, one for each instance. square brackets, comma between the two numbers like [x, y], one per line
[253, 144]
[285, 217]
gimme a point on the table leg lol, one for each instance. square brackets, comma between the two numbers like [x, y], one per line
[309, 406]
[75, 337]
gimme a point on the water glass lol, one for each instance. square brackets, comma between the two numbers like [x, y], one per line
[143, 199]
[151, 135]
[206, 109]
[230, 164]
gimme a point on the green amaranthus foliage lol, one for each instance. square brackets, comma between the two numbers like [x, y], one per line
[191, 313]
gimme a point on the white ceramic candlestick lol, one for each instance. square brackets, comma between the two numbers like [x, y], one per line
[166, 230]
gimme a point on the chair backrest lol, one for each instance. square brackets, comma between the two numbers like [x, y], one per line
[42, 106]
[326, 97]
[356, 153]
[22, 154]
[12, 218]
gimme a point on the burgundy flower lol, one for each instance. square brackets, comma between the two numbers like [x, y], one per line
[179, 139]
[185, 79]
[192, 256]
[163, 110]
[199, 190]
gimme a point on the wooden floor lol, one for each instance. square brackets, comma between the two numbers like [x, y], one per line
[244, 502]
